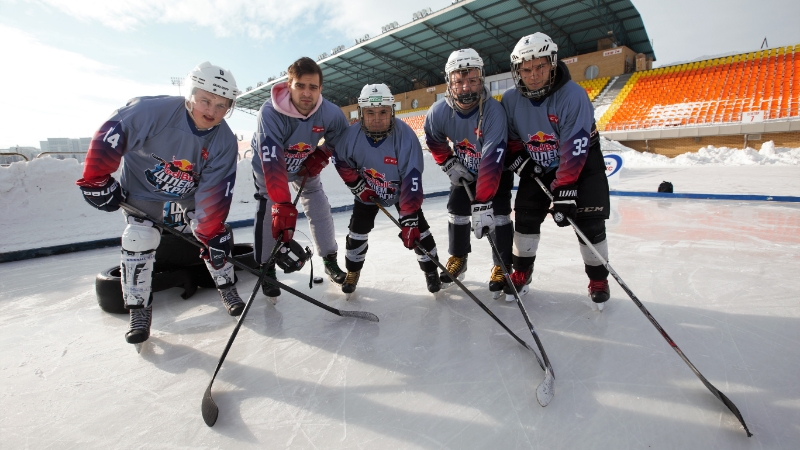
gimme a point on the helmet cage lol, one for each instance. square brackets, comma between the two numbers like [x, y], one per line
[469, 98]
[375, 135]
[537, 45]
[375, 95]
[461, 61]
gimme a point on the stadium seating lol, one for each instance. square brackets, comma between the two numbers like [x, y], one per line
[709, 92]
[416, 123]
[594, 87]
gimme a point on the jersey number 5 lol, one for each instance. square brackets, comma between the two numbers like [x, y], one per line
[580, 146]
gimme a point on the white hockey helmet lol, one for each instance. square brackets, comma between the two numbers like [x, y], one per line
[464, 60]
[213, 79]
[375, 95]
[536, 45]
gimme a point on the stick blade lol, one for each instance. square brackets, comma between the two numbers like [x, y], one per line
[209, 408]
[546, 390]
[366, 315]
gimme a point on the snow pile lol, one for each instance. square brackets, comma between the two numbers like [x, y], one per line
[42, 206]
[710, 155]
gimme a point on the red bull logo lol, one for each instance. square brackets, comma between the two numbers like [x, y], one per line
[541, 137]
[182, 165]
[468, 155]
[300, 147]
[374, 174]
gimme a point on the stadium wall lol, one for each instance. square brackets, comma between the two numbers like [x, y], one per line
[610, 63]
[678, 146]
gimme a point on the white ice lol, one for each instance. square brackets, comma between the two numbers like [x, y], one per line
[436, 373]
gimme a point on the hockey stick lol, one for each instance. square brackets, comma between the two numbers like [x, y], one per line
[717, 393]
[208, 407]
[546, 390]
[343, 313]
[464, 288]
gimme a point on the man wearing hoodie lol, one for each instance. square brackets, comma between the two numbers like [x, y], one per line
[552, 137]
[286, 150]
[476, 125]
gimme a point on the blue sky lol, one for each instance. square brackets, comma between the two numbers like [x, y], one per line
[69, 63]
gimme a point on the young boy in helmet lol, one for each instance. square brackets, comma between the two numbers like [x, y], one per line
[476, 125]
[552, 136]
[286, 151]
[381, 159]
[172, 149]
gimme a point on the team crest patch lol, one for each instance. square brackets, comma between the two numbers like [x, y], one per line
[553, 118]
[204, 154]
[468, 155]
[316, 129]
[176, 178]
[543, 147]
[377, 182]
[390, 160]
[295, 155]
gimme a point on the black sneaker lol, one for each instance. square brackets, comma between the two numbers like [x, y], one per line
[268, 289]
[335, 274]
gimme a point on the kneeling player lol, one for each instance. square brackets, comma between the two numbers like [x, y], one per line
[552, 136]
[381, 158]
[174, 149]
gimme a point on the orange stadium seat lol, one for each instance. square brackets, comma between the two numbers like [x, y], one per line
[707, 92]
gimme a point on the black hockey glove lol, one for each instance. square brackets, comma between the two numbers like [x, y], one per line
[524, 166]
[565, 204]
[217, 249]
[106, 197]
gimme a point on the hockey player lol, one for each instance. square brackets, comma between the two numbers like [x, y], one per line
[552, 136]
[171, 149]
[381, 158]
[476, 124]
[285, 150]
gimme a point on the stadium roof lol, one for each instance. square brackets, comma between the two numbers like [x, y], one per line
[413, 55]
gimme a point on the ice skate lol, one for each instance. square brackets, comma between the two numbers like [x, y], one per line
[521, 280]
[270, 291]
[139, 328]
[335, 274]
[457, 265]
[497, 282]
[349, 284]
[231, 300]
[599, 292]
[433, 281]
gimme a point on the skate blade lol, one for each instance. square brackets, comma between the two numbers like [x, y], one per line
[349, 295]
[598, 306]
[138, 347]
[273, 300]
[497, 294]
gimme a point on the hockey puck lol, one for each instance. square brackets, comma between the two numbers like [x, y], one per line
[318, 280]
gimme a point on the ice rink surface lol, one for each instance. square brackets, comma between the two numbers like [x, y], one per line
[719, 276]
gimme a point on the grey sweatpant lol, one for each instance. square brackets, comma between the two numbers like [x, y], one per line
[317, 209]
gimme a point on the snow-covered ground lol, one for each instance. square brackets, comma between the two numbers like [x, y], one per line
[42, 206]
[432, 374]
